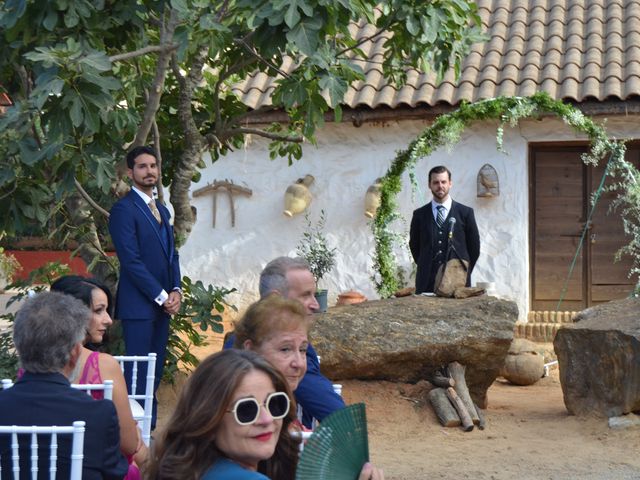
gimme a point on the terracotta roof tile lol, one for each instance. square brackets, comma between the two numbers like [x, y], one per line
[571, 49]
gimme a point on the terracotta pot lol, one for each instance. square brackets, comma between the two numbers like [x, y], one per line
[350, 297]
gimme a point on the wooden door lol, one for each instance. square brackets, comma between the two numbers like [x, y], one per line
[561, 189]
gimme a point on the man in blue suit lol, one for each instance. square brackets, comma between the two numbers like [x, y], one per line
[48, 333]
[291, 278]
[149, 285]
[440, 230]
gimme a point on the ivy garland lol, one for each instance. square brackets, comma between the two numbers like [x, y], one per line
[446, 131]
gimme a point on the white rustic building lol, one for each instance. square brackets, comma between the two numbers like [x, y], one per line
[583, 52]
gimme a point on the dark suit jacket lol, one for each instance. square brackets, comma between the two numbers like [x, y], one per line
[148, 257]
[315, 392]
[47, 399]
[429, 245]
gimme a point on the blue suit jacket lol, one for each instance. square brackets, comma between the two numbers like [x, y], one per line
[315, 392]
[148, 257]
[48, 399]
[427, 242]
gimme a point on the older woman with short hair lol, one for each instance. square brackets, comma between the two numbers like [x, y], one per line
[277, 329]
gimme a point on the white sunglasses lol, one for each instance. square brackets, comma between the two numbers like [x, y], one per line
[247, 410]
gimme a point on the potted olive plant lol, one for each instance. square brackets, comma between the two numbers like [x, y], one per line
[313, 247]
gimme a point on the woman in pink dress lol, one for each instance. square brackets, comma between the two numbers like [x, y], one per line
[94, 367]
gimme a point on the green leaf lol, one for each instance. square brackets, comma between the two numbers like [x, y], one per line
[51, 19]
[336, 88]
[75, 112]
[292, 15]
[305, 35]
[71, 17]
[337, 113]
[97, 60]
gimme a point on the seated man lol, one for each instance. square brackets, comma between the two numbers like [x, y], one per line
[48, 333]
[291, 278]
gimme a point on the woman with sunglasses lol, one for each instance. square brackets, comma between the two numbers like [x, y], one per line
[231, 422]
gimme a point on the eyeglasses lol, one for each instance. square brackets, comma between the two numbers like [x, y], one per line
[247, 410]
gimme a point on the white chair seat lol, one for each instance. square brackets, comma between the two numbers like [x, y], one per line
[136, 409]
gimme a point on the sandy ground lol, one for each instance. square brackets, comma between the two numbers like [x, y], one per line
[529, 435]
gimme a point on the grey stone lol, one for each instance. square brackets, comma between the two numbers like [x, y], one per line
[599, 360]
[405, 339]
[625, 421]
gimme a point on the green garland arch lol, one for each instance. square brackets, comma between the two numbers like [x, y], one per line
[446, 131]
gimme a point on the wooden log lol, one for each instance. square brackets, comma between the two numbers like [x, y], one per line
[465, 418]
[445, 412]
[483, 422]
[441, 381]
[456, 371]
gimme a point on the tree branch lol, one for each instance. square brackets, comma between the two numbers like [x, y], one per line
[221, 78]
[153, 103]
[88, 198]
[156, 147]
[143, 51]
[260, 58]
[262, 133]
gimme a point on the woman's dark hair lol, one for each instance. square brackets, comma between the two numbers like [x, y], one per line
[82, 288]
[186, 448]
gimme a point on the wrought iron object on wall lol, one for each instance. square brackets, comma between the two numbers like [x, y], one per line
[488, 183]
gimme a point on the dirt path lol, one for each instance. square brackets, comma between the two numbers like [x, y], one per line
[529, 435]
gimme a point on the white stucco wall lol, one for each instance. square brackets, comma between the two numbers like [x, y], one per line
[344, 163]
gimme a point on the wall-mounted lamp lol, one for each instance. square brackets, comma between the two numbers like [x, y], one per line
[488, 184]
[297, 197]
[372, 198]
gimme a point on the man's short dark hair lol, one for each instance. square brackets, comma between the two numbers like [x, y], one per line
[439, 169]
[136, 152]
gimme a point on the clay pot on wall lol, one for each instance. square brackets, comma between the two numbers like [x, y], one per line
[297, 197]
[372, 199]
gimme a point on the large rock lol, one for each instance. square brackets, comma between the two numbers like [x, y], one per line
[404, 339]
[599, 360]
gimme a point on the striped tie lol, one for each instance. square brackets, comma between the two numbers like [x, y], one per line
[440, 216]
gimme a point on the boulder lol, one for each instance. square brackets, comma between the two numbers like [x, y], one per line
[406, 339]
[599, 359]
[524, 364]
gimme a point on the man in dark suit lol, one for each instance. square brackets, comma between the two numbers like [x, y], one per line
[149, 285]
[434, 224]
[48, 333]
